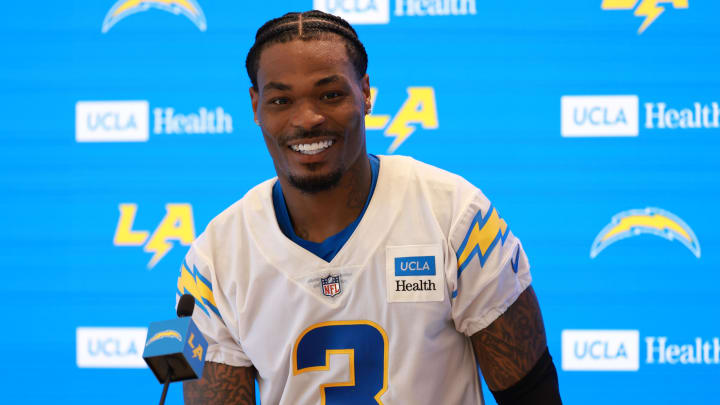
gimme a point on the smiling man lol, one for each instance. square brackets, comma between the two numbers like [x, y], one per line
[354, 278]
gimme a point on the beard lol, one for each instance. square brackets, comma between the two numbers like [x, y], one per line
[318, 183]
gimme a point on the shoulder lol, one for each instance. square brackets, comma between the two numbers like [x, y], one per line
[231, 226]
[452, 199]
[441, 183]
[406, 166]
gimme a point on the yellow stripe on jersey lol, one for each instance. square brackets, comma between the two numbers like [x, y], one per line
[193, 283]
[481, 238]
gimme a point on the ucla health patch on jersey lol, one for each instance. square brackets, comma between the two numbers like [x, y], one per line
[413, 274]
[415, 266]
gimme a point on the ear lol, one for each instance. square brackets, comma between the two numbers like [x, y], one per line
[366, 93]
[254, 96]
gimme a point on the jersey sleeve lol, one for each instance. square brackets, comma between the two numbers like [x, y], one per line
[197, 277]
[491, 269]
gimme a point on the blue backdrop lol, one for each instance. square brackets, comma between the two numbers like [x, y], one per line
[591, 125]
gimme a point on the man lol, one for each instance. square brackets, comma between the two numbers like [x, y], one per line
[351, 278]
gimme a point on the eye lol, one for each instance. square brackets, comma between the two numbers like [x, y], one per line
[279, 101]
[331, 95]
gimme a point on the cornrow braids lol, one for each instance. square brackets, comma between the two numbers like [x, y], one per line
[306, 26]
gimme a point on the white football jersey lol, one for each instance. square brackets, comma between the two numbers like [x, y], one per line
[386, 321]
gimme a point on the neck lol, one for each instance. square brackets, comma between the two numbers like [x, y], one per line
[317, 216]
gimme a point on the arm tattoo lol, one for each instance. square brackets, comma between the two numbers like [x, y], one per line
[510, 346]
[222, 384]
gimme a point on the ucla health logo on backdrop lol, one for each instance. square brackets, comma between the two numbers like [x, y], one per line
[111, 121]
[653, 221]
[619, 350]
[110, 347]
[661, 350]
[357, 11]
[649, 10]
[378, 11]
[204, 121]
[126, 8]
[129, 121]
[420, 108]
[434, 7]
[599, 116]
[600, 350]
[619, 115]
[696, 116]
[177, 225]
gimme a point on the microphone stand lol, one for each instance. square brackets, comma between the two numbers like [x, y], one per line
[165, 387]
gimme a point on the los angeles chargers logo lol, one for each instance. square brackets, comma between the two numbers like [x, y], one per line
[650, 220]
[124, 8]
[649, 9]
[418, 109]
[164, 335]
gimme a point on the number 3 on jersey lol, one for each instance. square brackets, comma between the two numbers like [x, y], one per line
[366, 345]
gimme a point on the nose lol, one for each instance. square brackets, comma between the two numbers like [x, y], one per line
[306, 116]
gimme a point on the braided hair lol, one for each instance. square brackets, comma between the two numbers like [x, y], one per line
[306, 26]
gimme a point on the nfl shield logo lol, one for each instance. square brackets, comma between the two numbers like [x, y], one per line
[330, 286]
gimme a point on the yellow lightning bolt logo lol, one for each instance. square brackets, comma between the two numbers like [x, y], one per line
[484, 234]
[126, 5]
[650, 9]
[419, 108]
[177, 225]
[163, 335]
[191, 281]
[650, 220]
[124, 8]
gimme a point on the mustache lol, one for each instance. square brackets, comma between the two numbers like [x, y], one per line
[300, 134]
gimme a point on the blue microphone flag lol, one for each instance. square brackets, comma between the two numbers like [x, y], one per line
[175, 346]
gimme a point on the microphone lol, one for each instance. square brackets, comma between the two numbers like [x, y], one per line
[186, 305]
[175, 349]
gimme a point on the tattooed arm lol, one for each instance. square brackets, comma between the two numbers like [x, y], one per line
[222, 384]
[510, 347]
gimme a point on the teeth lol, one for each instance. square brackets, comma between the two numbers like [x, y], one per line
[311, 148]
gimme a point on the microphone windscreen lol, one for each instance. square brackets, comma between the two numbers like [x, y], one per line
[185, 306]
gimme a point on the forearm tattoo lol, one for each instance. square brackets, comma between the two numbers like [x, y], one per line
[221, 385]
[510, 346]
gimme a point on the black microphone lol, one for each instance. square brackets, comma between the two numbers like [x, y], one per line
[175, 349]
[186, 305]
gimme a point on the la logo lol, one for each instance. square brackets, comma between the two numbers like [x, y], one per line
[177, 225]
